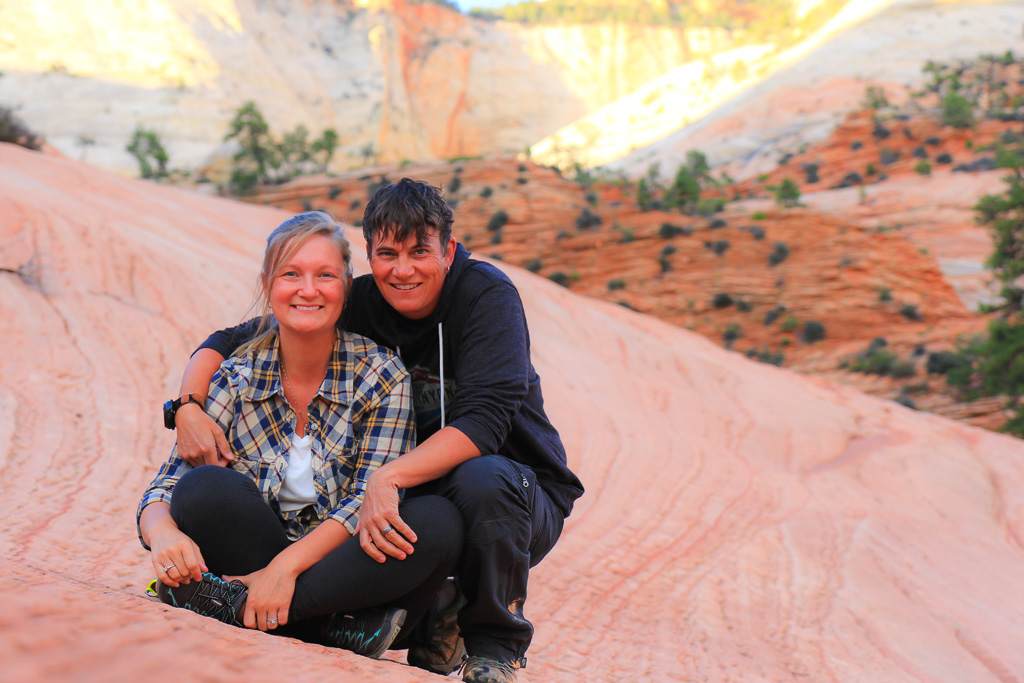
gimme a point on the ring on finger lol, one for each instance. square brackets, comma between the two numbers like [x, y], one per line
[272, 620]
[168, 568]
[385, 530]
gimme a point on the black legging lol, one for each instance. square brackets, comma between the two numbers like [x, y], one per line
[222, 511]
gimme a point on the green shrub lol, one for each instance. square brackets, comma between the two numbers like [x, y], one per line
[533, 265]
[813, 331]
[884, 294]
[587, 219]
[333, 192]
[591, 197]
[773, 315]
[758, 216]
[486, 192]
[13, 130]
[559, 278]
[943, 362]
[721, 300]
[497, 221]
[957, 111]
[779, 253]
[150, 154]
[923, 168]
[902, 368]
[874, 97]
[627, 235]
[910, 312]
[732, 333]
[454, 184]
[877, 362]
[496, 237]
[787, 193]
[522, 181]
[616, 284]
[718, 246]
[668, 230]
[789, 324]
[668, 250]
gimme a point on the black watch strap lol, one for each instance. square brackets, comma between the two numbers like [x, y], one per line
[171, 408]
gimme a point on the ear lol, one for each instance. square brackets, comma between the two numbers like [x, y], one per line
[449, 254]
[369, 251]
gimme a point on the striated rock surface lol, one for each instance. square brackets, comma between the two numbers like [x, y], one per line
[397, 80]
[741, 522]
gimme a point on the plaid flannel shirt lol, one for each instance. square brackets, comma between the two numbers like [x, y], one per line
[361, 418]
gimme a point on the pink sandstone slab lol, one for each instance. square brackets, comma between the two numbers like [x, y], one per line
[741, 522]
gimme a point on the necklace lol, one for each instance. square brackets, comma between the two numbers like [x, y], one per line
[288, 385]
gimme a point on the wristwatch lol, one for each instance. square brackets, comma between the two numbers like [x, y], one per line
[171, 408]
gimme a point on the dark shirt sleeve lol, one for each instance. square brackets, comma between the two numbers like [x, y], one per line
[226, 341]
[493, 369]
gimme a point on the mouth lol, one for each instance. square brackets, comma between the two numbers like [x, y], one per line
[307, 308]
[405, 288]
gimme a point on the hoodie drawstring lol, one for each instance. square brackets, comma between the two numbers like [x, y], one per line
[440, 345]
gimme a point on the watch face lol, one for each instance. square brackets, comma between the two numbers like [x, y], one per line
[169, 411]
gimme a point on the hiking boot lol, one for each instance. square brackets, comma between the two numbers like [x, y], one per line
[368, 632]
[487, 670]
[212, 597]
[446, 649]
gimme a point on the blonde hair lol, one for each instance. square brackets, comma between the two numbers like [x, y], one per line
[282, 243]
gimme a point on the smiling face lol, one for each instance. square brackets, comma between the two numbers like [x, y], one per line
[410, 274]
[307, 292]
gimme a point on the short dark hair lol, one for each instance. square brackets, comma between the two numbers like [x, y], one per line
[404, 208]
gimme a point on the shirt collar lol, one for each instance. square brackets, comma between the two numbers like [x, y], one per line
[337, 384]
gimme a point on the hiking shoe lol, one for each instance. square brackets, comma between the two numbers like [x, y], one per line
[368, 632]
[212, 597]
[446, 649]
[487, 670]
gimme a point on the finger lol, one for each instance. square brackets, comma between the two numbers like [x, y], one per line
[366, 543]
[250, 616]
[386, 546]
[191, 567]
[223, 447]
[162, 574]
[405, 532]
[209, 454]
[282, 617]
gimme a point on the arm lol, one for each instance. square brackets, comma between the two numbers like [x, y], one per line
[200, 441]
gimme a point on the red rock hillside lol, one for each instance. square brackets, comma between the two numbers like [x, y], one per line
[741, 522]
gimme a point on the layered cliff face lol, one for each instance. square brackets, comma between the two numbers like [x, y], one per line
[396, 80]
[741, 522]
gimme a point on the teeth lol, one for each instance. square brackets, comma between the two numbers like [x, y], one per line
[309, 308]
[405, 288]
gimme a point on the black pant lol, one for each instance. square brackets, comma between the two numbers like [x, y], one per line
[511, 524]
[222, 511]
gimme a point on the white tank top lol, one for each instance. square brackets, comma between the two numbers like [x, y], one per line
[297, 490]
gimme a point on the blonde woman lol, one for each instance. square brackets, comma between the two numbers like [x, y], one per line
[309, 411]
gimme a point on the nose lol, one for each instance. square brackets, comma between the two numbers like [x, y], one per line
[308, 289]
[403, 266]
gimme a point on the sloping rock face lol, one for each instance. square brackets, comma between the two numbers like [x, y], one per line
[804, 102]
[741, 522]
[396, 80]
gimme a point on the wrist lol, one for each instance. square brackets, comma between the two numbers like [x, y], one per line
[385, 476]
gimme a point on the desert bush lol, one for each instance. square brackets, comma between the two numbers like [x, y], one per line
[668, 230]
[587, 219]
[884, 294]
[486, 192]
[773, 315]
[888, 156]
[150, 154]
[874, 97]
[910, 312]
[944, 158]
[333, 192]
[731, 333]
[880, 132]
[497, 221]
[14, 130]
[559, 278]
[758, 216]
[811, 173]
[454, 184]
[957, 111]
[533, 265]
[923, 168]
[591, 197]
[616, 284]
[787, 193]
[943, 362]
[813, 331]
[721, 300]
[902, 368]
[779, 253]
[789, 324]
[718, 246]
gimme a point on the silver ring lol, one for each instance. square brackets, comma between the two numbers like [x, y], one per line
[170, 566]
[385, 530]
[272, 620]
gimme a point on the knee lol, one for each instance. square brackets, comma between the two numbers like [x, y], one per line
[204, 486]
[486, 483]
[436, 521]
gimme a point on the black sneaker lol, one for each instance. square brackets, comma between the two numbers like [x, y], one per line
[212, 597]
[368, 632]
[446, 650]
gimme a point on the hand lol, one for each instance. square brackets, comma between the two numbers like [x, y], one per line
[201, 441]
[178, 553]
[270, 596]
[379, 513]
